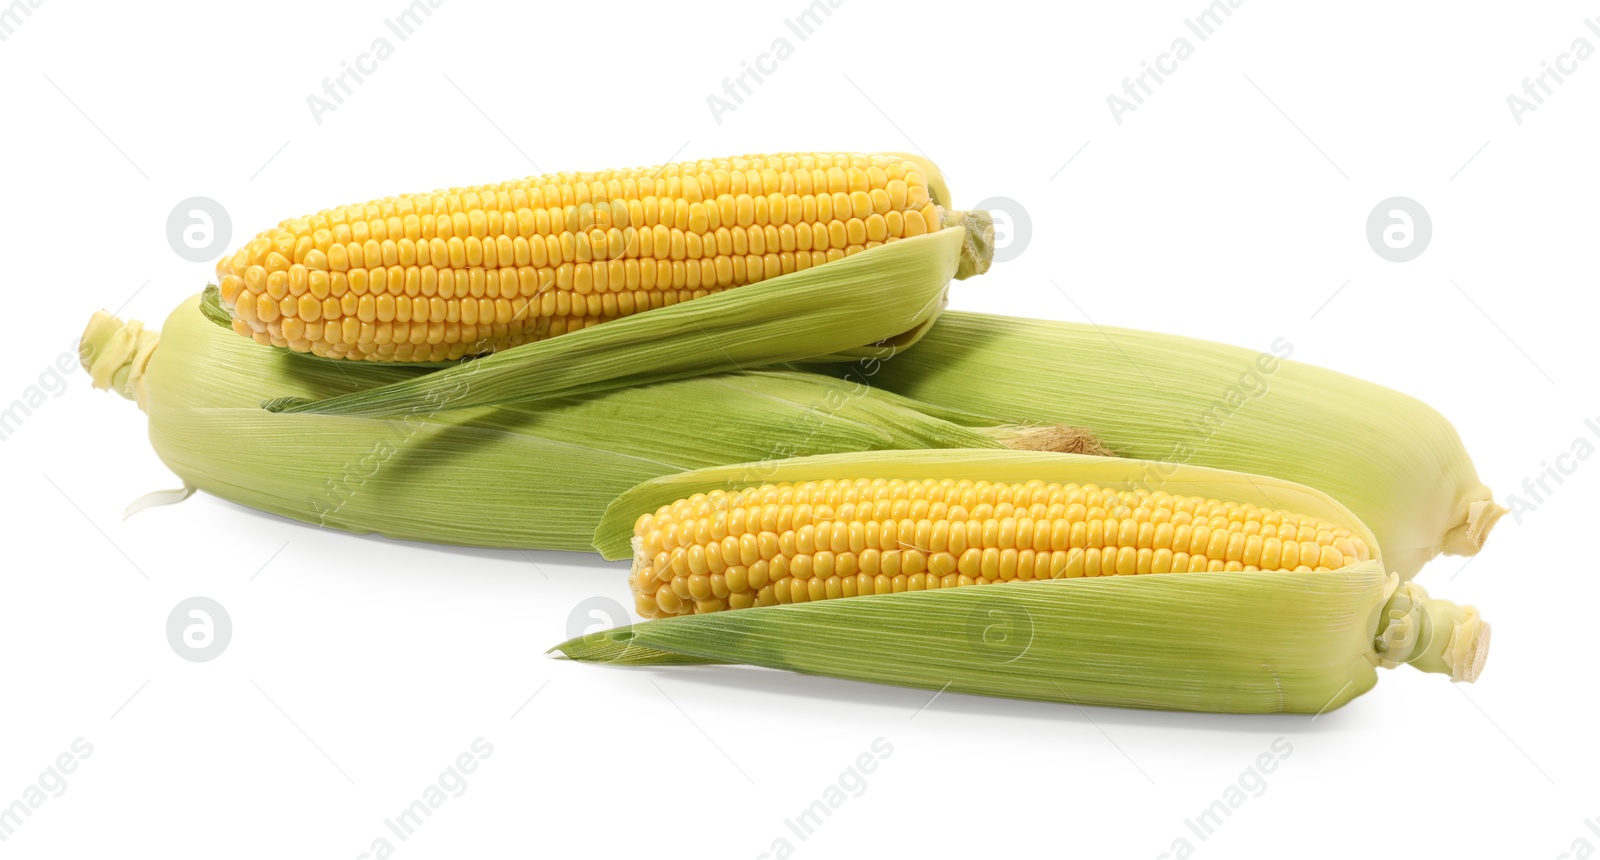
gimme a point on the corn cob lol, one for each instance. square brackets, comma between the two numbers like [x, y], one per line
[536, 477]
[465, 271]
[818, 540]
[1397, 463]
[1304, 639]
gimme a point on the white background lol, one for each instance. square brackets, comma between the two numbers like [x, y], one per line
[1231, 205]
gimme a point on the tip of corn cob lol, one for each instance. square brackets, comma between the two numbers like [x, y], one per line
[115, 353]
[1468, 537]
[1432, 635]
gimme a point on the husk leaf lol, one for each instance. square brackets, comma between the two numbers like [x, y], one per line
[1231, 642]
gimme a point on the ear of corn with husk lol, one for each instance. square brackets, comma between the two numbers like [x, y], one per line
[1232, 640]
[516, 476]
[465, 271]
[821, 540]
[1397, 463]
[831, 254]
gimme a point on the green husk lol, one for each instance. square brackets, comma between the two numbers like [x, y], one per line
[530, 477]
[1397, 463]
[879, 294]
[1246, 642]
[1230, 642]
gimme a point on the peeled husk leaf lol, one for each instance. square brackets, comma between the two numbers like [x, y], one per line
[1254, 642]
